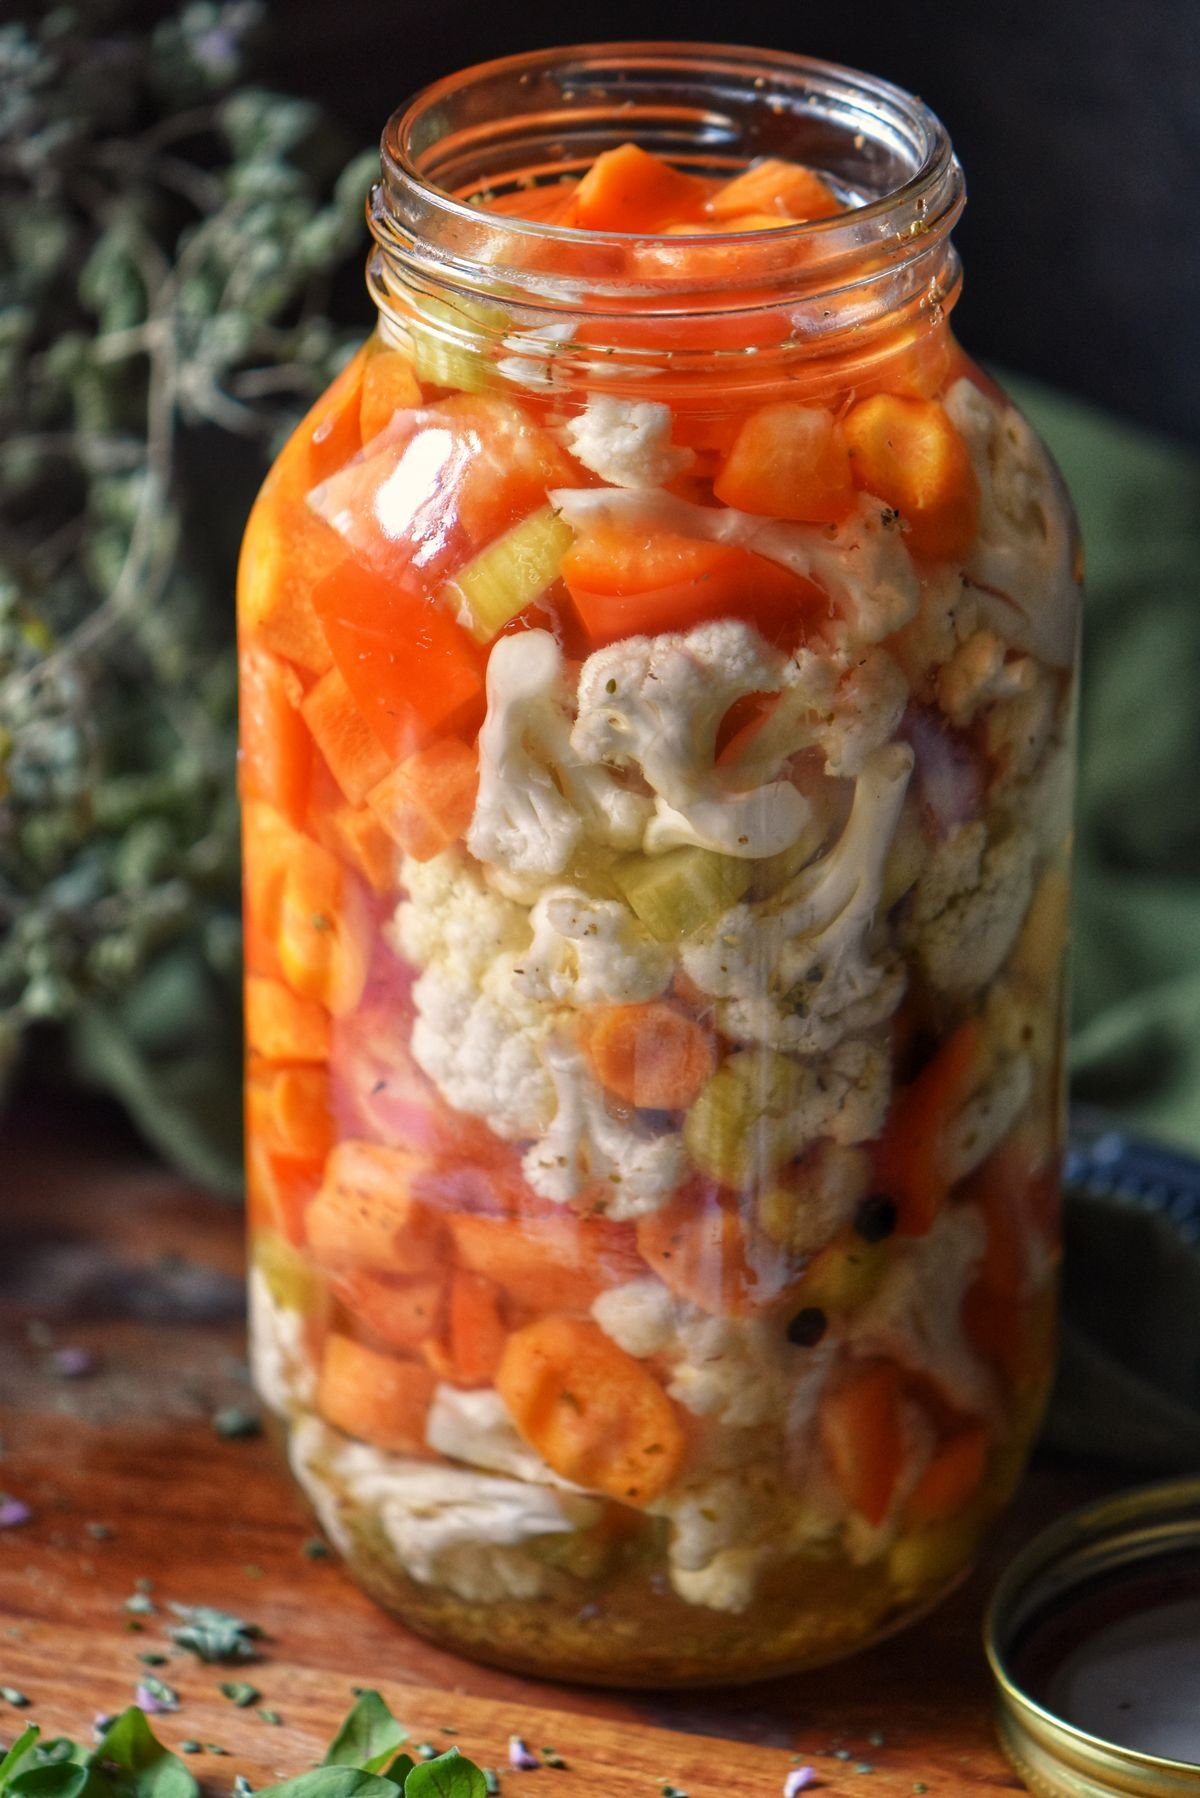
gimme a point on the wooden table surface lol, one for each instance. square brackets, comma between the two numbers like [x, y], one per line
[128, 1481]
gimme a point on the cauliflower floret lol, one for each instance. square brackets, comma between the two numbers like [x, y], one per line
[632, 1170]
[656, 704]
[627, 442]
[588, 951]
[979, 672]
[1019, 730]
[726, 1583]
[452, 918]
[866, 712]
[474, 1426]
[861, 563]
[483, 1056]
[1020, 562]
[968, 905]
[535, 801]
[280, 1358]
[818, 1198]
[987, 1117]
[794, 972]
[448, 1527]
[915, 1315]
[639, 1316]
[947, 614]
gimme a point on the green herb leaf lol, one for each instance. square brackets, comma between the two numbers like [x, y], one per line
[62, 1779]
[368, 1738]
[12, 1696]
[130, 1746]
[399, 1769]
[214, 1635]
[451, 1775]
[239, 1692]
[335, 1782]
[19, 1754]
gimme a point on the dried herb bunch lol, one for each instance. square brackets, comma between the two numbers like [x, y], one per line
[167, 238]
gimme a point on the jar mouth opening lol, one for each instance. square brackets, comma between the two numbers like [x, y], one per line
[709, 108]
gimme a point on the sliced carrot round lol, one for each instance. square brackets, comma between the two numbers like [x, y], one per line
[594, 1413]
[651, 1055]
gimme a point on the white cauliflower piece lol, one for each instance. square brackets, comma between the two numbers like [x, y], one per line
[656, 704]
[862, 563]
[817, 1200]
[474, 1426]
[1020, 562]
[535, 800]
[451, 917]
[794, 972]
[589, 951]
[726, 1583]
[866, 712]
[1020, 728]
[743, 1373]
[639, 1316]
[634, 1170]
[968, 906]
[987, 1117]
[947, 615]
[980, 672]
[449, 1527]
[483, 1055]
[627, 442]
[280, 1359]
[915, 1316]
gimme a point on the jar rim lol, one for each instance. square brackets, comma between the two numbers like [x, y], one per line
[699, 104]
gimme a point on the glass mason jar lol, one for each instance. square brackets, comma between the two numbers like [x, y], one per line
[657, 654]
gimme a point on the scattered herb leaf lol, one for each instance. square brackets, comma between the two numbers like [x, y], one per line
[269, 1716]
[369, 1738]
[233, 1423]
[315, 1549]
[239, 1692]
[214, 1635]
[12, 1696]
[451, 1775]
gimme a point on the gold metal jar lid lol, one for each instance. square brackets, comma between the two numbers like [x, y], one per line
[1093, 1634]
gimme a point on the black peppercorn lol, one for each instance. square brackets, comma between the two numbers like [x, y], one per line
[807, 1327]
[875, 1218]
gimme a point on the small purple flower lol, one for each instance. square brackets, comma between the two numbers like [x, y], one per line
[12, 1512]
[73, 1363]
[152, 1703]
[521, 1756]
[797, 1781]
[101, 1724]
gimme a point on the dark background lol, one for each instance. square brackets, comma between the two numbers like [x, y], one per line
[1078, 123]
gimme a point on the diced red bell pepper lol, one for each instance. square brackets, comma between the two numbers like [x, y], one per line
[414, 673]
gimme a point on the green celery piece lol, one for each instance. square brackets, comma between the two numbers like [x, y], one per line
[290, 1280]
[676, 894]
[445, 363]
[743, 1125]
[510, 573]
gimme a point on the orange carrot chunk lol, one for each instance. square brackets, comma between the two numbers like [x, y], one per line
[426, 803]
[288, 1109]
[859, 1427]
[401, 1314]
[697, 1247]
[908, 453]
[353, 752]
[388, 386]
[374, 1397]
[539, 1262]
[597, 1415]
[285, 553]
[477, 1334]
[652, 1055]
[952, 1478]
[908, 1157]
[324, 929]
[773, 186]
[789, 461]
[367, 1215]
[276, 752]
[628, 189]
[279, 1187]
[354, 833]
[280, 1026]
